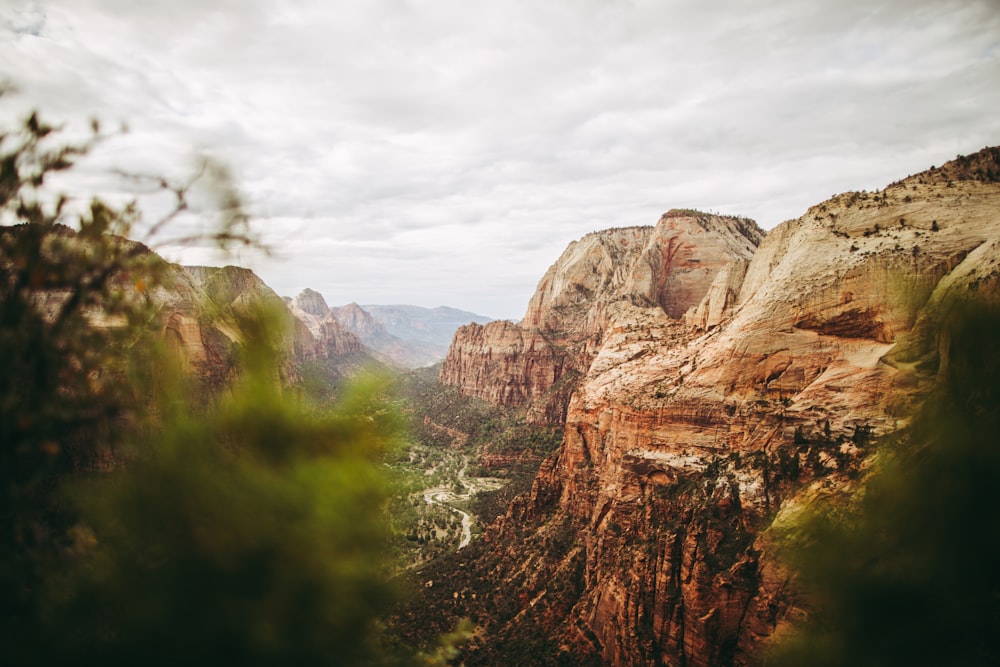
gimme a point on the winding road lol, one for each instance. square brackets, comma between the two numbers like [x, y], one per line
[445, 498]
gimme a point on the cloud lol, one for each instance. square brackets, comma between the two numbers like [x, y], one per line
[444, 152]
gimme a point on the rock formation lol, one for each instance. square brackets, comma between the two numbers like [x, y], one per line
[537, 363]
[421, 330]
[310, 308]
[228, 292]
[200, 307]
[359, 321]
[719, 386]
[374, 335]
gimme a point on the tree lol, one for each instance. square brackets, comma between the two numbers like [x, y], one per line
[60, 388]
[243, 529]
[251, 533]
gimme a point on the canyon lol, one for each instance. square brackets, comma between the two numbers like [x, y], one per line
[709, 378]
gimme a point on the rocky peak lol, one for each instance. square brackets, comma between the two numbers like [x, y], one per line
[230, 285]
[686, 253]
[311, 302]
[982, 166]
[670, 267]
[333, 339]
[593, 269]
[358, 321]
[310, 308]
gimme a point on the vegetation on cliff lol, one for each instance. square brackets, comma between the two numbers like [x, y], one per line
[905, 573]
[144, 521]
[680, 448]
[462, 456]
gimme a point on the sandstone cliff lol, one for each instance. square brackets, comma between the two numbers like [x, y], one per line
[330, 334]
[537, 363]
[708, 402]
[200, 308]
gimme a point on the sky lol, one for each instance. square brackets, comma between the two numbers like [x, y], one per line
[445, 152]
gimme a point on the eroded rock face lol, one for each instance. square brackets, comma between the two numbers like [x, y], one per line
[506, 364]
[358, 321]
[332, 338]
[200, 309]
[310, 302]
[686, 435]
[538, 362]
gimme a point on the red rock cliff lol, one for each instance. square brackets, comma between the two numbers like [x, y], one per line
[643, 541]
[199, 306]
[538, 362]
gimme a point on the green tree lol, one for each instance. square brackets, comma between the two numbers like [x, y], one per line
[250, 532]
[60, 375]
[906, 574]
[142, 525]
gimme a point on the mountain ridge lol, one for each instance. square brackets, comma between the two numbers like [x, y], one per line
[686, 435]
[669, 265]
[401, 335]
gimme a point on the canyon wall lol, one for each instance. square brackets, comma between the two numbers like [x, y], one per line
[711, 401]
[333, 337]
[537, 363]
[201, 307]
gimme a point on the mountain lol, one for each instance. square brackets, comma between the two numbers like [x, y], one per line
[311, 309]
[537, 363]
[426, 332]
[406, 336]
[400, 351]
[710, 380]
[201, 306]
[200, 309]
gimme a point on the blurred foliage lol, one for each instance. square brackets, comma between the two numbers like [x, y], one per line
[62, 374]
[906, 573]
[141, 522]
[250, 531]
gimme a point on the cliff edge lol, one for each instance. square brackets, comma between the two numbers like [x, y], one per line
[717, 385]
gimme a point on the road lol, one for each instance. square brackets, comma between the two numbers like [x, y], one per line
[445, 498]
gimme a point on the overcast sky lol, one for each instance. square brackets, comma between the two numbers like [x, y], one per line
[444, 152]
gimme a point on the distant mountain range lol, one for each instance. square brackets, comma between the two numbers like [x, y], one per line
[409, 336]
[428, 331]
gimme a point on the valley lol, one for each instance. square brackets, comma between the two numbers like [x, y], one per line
[459, 456]
[707, 379]
[430, 512]
[612, 480]
[615, 333]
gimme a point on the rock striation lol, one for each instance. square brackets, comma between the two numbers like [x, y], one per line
[720, 385]
[537, 363]
[331, 335]
[201, 308]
